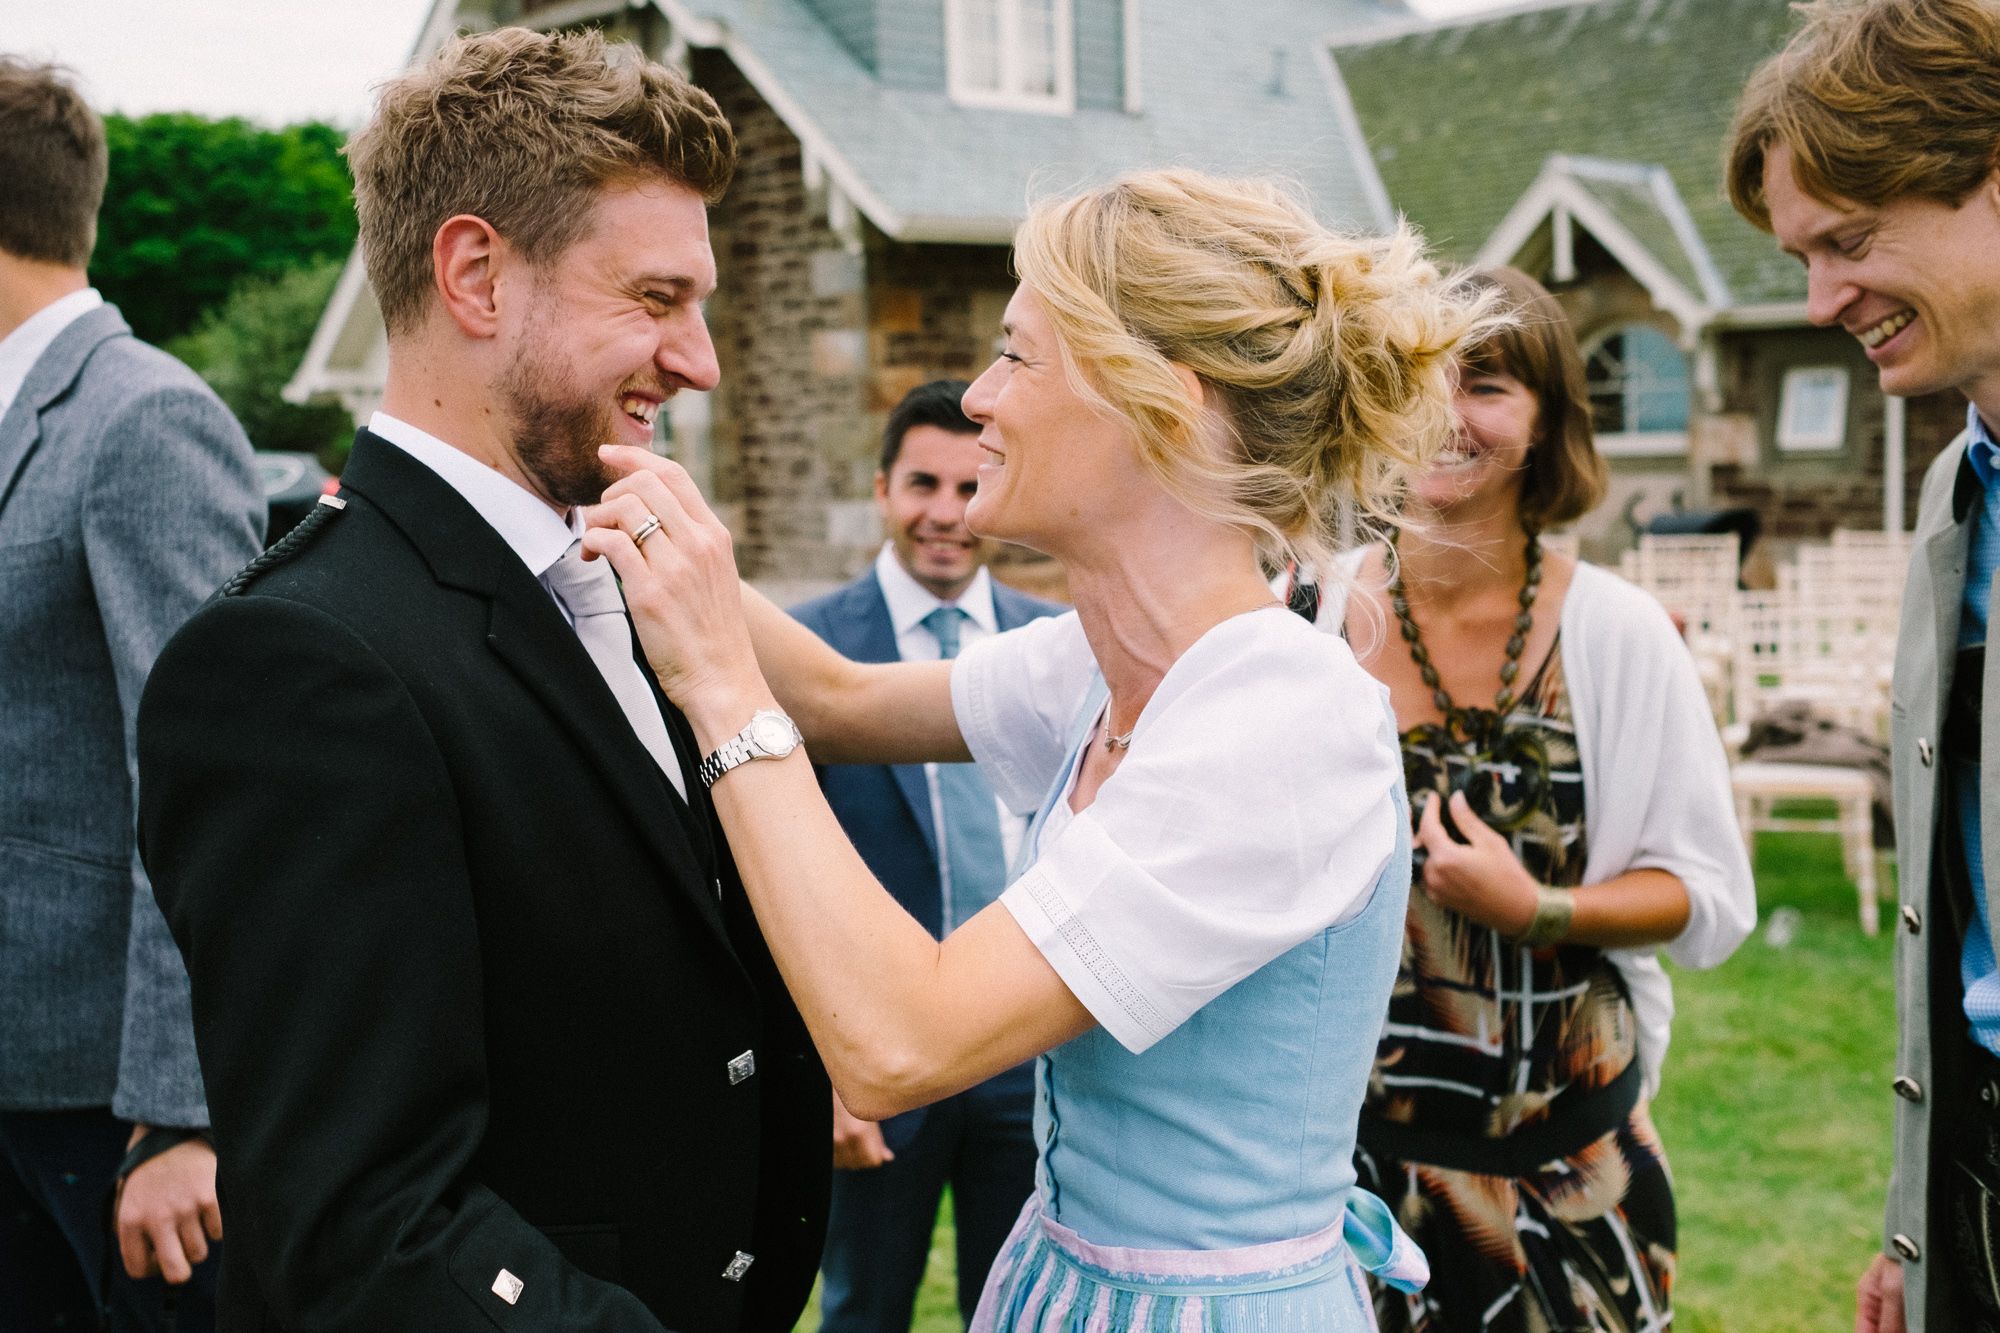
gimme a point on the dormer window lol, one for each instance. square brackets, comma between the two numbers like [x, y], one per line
[1014, 54]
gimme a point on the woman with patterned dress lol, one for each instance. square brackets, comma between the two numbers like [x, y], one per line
[1573, 814]
[1196, 378]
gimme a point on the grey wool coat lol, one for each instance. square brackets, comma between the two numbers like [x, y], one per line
[128, 494]
[1930, 1021]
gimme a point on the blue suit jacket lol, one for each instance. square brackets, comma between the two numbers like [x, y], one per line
[886, 808]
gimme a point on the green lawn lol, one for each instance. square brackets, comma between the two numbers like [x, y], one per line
[1775, 1113]
[1776, 1108]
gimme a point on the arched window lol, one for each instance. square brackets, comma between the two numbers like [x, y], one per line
[1638, 392]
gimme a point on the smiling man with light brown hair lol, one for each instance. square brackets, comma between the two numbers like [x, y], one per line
[1870, 148]
[491, 1039]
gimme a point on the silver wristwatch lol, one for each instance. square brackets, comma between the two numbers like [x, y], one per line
[770, 735]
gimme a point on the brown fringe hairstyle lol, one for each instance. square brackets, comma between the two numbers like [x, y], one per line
[1566, 476]
[522, 129]
[52, 165]
[1325, 359]
[1876, 99]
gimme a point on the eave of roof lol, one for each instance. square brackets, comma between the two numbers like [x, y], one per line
[1461, 118]
[921, 167]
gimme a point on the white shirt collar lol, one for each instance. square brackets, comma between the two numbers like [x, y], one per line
[910, 601]
[23, 347]
[526, 524]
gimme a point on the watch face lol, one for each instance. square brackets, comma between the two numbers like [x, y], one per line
[772, 735]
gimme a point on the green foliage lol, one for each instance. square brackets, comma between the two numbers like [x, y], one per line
[249, 345]
[195, 206]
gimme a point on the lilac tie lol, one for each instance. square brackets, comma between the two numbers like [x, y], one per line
[589, 590]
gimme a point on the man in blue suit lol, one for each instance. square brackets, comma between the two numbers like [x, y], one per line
[941, 842]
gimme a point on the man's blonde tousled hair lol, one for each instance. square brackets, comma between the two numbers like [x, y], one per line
[1877, 100]
[522, 129]
[1324, 358]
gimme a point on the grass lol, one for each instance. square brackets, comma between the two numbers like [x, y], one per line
[1776, 1108]
[1775, 1111]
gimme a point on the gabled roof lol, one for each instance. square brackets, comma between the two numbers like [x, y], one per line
[1634, 97]
[1243, 86]
[1635, 212]
[1235, 87]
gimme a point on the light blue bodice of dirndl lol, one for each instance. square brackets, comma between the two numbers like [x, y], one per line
[1208, 1183]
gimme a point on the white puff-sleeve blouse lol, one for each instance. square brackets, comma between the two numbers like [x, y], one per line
[1255, 808]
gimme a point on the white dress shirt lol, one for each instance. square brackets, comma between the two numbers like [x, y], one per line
[529, 527]
[909, 602]
[23, 347]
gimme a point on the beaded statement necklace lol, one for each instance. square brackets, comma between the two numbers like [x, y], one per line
[1481, 735]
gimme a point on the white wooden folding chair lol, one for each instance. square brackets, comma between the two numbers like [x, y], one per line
[1801, 645]
[1694, 577]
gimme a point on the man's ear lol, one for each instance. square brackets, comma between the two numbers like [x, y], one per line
[466, 254]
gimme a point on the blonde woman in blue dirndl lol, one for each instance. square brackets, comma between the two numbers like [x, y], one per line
[1197, 382]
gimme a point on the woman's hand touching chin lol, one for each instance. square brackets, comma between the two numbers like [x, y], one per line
[677, 566]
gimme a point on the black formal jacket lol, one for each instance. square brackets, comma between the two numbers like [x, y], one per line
[480, 1004]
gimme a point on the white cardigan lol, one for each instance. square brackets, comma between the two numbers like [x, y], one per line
[1656, 791]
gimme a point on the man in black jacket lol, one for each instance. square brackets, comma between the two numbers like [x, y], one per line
[489, 1034]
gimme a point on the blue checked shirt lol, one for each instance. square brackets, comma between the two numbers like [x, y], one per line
[1977, 968]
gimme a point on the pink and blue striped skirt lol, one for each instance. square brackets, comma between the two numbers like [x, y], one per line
[1048, 1279]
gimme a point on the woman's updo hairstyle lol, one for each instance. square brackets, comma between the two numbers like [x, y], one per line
[1325, 359]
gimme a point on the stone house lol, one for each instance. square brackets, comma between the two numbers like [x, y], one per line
[888, 149]
[1582, 141]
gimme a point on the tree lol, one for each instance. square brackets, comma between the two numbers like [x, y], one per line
[248, 346]
[195, 206]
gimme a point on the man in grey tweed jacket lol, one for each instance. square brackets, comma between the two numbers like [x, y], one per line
[127, 495]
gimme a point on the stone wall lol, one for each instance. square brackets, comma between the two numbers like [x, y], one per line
[1801, 497]
[789, 427]
[934, 313]
[819, 336]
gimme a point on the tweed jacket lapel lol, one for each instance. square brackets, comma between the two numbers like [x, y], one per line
[1944, 547]
[528, 634]
[50, 378]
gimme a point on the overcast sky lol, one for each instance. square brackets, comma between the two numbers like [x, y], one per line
[271, 60]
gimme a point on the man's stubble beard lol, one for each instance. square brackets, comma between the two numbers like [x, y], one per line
[556, 427]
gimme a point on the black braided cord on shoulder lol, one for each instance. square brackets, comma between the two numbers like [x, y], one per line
[1303, 598]
[285, 547]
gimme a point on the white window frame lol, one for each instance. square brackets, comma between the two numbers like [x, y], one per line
[1637, 443]
[1643, 444]
[1008, 96]
[1799, 383]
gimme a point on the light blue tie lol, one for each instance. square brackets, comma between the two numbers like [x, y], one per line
[973, 853]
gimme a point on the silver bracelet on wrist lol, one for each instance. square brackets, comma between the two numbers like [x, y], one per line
[1553, 910]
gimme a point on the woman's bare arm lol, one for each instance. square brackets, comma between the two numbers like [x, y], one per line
[900, 1019]
[854, 712]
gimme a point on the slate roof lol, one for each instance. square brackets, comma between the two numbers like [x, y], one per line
[1215, 94]
[1460, 119]
[1226, 85]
